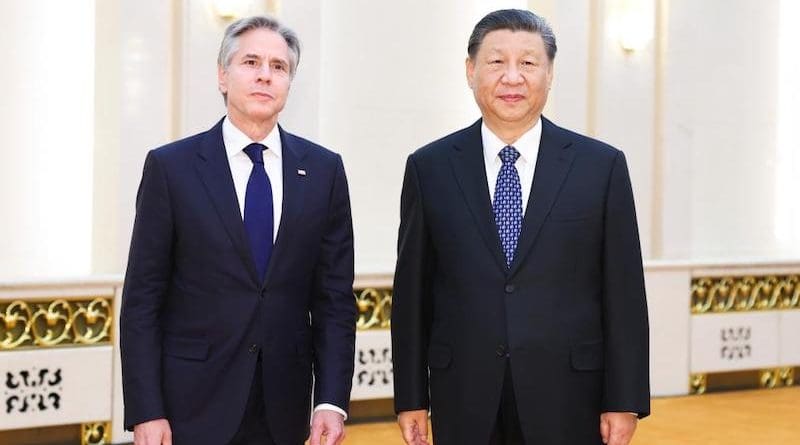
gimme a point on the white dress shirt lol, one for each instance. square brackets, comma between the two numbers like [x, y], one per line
[235, 142]
[241, 166]
[528, 147]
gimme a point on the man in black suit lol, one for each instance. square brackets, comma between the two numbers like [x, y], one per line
[519, 312]
[240, 275]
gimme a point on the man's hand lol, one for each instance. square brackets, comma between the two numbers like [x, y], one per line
[153, 432]
[617, 428]
[327, 423]
[414, 426]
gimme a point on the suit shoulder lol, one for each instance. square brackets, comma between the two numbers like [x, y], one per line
[312, 147]
[593, 145]
[590, 145]
[180, 148]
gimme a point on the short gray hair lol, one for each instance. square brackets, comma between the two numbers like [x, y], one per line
[513, 20]
[230, 42]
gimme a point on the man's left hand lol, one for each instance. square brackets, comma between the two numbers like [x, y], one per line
[327, 423]
[617, 428]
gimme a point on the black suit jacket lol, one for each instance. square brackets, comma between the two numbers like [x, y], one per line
[195, 316]
[569, 316]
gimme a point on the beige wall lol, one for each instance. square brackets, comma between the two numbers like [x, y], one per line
[695, 110]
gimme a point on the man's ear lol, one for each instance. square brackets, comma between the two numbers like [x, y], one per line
[222, 79]
[470, 67]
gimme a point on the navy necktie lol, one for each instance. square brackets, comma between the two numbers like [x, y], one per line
[258, 218]
[507, 204]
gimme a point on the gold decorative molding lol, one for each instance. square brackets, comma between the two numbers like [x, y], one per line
[96, 433]
[776, 378]
[768, 378]
[786, 376]
[60, 322]
[698, 383]
[374, 308]
[743, 294]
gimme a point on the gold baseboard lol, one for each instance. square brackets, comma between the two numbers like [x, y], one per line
[371, 410]
[97, 433]
[702, 383]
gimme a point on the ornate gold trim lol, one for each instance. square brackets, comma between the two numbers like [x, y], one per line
[743, 294]
[374, 308]
[698, 383]
[60, 322]
[776, 378]
[768, 378]
[96, 433]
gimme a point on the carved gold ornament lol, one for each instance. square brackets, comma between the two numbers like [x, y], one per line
[742, 294]
[698, 383]
[374, 308]
[98, 433]
[55, 323]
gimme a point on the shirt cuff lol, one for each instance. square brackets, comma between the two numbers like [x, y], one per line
[329, 407]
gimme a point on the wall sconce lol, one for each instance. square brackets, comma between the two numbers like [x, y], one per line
[235, 9]
[632, 23]
[230, 9]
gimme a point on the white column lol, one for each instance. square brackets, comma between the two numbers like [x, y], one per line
[46, 118]
[136, 66]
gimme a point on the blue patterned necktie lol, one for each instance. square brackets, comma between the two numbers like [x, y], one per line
[507, 204]
[258, 219]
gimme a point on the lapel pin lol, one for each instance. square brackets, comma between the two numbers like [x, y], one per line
[301, 172]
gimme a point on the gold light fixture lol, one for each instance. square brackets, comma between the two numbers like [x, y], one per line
[235, 9]
[632, 23]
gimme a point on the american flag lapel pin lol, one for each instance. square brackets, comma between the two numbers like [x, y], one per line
[301, 172]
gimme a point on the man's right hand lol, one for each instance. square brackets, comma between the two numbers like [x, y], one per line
[414, 426]
[153, 432]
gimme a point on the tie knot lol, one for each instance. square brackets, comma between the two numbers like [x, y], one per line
[509, 155]
[255, 152]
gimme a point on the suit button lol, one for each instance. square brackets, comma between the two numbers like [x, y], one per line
[501, 351]
[253, 348]
[509, 288]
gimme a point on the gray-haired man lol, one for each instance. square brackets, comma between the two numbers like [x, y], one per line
[239, 282]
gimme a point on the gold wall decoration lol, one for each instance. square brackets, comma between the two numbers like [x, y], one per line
[374, 308]
[97, 433]
[742, 294]
[768, 378]
[59, 322]
[776, 378]
[698, 383]
[786, 376]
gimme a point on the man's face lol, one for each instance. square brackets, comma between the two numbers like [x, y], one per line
[258, 77]
[510, 77]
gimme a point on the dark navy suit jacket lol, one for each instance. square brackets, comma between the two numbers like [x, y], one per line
[569, 316]
[195, 316]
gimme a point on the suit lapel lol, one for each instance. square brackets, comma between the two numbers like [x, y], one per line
[470, 172]
[552, 165]
[215, 172]
[293, 152]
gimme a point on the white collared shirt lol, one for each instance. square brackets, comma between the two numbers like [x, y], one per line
[235, 142]
[528, 147]
[241, 166]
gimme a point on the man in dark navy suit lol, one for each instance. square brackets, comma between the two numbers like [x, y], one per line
[519, 312]
[238, 291]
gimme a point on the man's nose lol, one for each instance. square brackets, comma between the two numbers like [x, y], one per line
[513, 75]
[265, 73]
